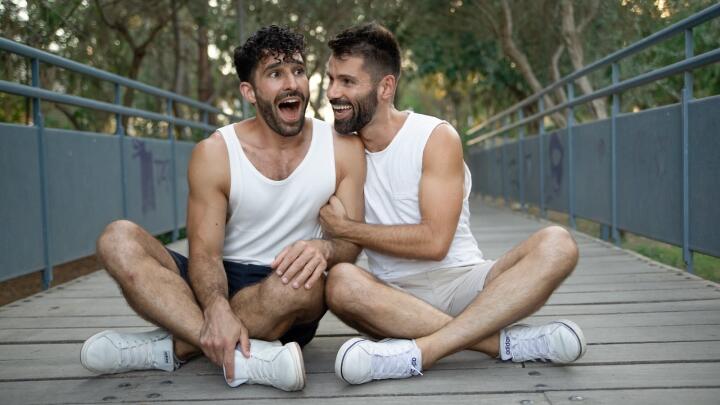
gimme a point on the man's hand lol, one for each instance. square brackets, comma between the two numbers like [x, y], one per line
[303, 262]
[333, 216]
[220, 334]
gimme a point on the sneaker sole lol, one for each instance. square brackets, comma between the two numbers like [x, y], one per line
[298, 364]
[86, 346]
[340, 358]
[578, 334]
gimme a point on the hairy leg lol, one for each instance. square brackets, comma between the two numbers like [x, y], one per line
[270, 308]
[519, 284]
[151, 282]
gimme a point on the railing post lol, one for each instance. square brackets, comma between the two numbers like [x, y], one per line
[120, 131]
[520, 165]
[541, 108]
[506, 192]
[38, 120]
[687, 95]
[171, 138]
[571, 178]
[614, 111]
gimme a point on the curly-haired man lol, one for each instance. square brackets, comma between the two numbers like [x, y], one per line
[256, 258]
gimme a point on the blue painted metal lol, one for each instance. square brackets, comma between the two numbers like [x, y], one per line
[520, 164]
[687, 95]
[571, 173]
[541, 153]
[614, 111]
[120, 132]
[641, 169]
[668, 32]
[173, 163]
[75, 182]
[505, 174]
[39, 124]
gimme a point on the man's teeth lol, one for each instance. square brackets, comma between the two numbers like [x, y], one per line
[341, 107]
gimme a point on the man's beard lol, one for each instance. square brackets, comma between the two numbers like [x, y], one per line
[267, 112]
[363, 111]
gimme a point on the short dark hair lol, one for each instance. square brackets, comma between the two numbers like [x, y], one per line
[270, 40]
[375, 43]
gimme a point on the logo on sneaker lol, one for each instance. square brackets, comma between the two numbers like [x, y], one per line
[167, 358]
[414, 366]
[507, 345]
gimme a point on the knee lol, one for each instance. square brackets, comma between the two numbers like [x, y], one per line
[344, 287]
[299, 299]
[114, 245]
[560, 245]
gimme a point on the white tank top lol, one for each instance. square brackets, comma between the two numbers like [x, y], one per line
[391, 198]
[266, 215]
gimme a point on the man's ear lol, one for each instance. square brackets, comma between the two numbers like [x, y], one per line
[387, 87]
[248, 92]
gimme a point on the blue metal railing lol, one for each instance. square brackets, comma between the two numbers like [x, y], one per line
[38, 95]
[485, 132]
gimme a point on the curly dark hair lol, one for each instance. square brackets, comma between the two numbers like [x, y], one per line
[270, 40]
[375, 43]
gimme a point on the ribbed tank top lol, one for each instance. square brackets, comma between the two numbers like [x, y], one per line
[391, 198]
[266, 215]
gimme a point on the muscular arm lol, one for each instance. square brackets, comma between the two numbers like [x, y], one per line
[304, 262]
[208, 179]
[440, 196]
[350, 169]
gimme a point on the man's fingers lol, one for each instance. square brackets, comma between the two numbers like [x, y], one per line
[279, 258]
[245, 343]
[229, 362]
[337, 204]
[306, 272]
[317, 273]
[288, 259]
[297, 266]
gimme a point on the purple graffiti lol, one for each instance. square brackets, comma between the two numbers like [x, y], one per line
[147, 175]
[556, 162]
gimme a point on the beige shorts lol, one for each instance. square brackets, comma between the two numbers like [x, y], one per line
[450, 290]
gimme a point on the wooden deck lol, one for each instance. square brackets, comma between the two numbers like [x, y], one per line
[653, 333]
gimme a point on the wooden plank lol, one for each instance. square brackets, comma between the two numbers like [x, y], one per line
[679, 306]
[694, 396]
[633, 296]
[325, 385]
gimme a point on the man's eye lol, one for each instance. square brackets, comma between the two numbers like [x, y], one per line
[300, 72]
[274, 74]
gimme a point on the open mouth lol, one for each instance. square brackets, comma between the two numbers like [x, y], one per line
[289, 109]
[342, 111]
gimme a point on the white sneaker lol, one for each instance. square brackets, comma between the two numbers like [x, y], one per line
[361, 360]
[270, 363]
[559, 342]
[111, 352]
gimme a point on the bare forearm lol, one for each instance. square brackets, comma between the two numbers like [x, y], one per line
[207, 279]
[408, 241]
[342, 251]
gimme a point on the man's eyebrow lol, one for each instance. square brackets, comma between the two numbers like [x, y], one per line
[342, 76]
[278, 63]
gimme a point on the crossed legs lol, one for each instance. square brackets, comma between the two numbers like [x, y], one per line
[519, 283]
[151, 283]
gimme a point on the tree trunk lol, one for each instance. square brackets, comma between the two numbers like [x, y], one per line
[571, 33]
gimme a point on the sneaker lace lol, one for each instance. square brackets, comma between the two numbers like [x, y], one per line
[533, 349]
[402, 365]
[136, 354]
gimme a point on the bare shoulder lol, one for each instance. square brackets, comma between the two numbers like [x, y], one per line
[349, 153]
[209, 162]
[443, 150]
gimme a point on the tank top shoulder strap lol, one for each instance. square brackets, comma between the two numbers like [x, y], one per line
[234, 161]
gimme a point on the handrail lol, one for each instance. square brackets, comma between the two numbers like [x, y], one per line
[35, 92]
[46, 57]
[692, 21]
[670, 70]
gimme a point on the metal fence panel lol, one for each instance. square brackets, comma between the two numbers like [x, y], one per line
[149, 177]
[705, 175]
[531, 170]
[591, 162]
[183, 150]
[510, 173]
[84, 190]
[649, 161]
[556, 164]
[21, 239]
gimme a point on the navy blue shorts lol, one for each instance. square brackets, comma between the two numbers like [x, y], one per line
[242, 275]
